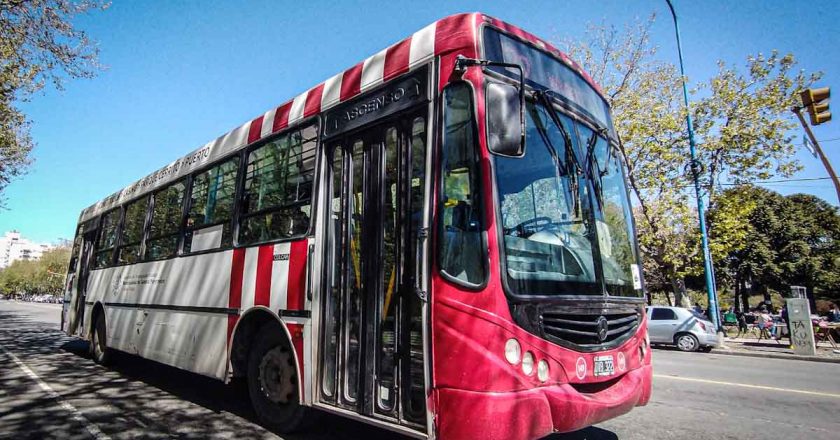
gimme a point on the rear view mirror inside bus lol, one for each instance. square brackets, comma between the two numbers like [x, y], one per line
[504, 120]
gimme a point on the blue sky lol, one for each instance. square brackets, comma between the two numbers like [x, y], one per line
[182, 73]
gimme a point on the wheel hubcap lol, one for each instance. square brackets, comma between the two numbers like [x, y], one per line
[686, 343]
[277, 375]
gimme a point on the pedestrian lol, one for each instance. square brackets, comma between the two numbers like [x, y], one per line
[784, 314]
[834, 314]
[742, 323]
[697, 308]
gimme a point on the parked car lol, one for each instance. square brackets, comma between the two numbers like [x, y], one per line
[687, 329]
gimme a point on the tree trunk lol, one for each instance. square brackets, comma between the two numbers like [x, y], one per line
[738, 294]
[678, 287]
[745, 297]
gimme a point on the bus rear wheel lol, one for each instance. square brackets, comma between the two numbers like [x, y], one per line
[273, 382]
[99, 350]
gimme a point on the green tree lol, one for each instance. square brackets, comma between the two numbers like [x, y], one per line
[778, 242]
[742, 128]
[38, 45]
[43, 276]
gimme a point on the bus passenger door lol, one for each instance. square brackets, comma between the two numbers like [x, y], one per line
[76, 317]
[372, 330]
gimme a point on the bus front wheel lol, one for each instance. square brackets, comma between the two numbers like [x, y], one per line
[273, 382]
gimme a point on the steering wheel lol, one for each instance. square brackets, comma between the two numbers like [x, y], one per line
[533, 224]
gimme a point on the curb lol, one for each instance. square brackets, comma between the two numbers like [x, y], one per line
[795, 357]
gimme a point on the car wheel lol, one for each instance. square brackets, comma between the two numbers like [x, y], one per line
[273, 383]
[687, 342]
[99, 350]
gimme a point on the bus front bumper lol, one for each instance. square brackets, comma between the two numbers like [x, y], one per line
[535, 413]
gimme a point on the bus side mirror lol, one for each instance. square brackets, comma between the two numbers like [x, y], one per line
[505, 120]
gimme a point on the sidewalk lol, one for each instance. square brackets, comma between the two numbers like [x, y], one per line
[751, 346]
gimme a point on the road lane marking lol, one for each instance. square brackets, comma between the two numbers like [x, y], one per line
[75, 413]
[744, 385]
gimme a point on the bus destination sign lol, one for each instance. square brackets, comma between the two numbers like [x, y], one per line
[383, 102]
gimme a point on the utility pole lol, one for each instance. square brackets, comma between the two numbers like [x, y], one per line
[816, 102]
[695, 172]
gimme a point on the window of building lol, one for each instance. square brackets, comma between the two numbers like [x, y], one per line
[278, 188]
[211, 207]
[165, 224]
[131, 238]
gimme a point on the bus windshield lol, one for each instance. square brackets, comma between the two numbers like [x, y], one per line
[565, 212]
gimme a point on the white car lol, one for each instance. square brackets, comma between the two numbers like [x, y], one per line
[687, 329]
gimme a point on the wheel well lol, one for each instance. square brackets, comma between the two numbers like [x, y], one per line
[245, 335]
[97, 310]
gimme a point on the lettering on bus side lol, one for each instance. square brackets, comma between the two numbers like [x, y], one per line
[281, 257]
[382, 102]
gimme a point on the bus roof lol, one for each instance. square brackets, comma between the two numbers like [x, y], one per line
[453, 33]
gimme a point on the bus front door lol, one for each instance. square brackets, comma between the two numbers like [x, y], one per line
[372, 331]
[76, 319]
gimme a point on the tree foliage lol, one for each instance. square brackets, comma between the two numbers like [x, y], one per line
[38, 45]
[780, 242]
[34, 277]
[742, 124]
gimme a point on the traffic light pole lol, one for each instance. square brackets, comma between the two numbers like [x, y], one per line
[711, 291]
[818, 149]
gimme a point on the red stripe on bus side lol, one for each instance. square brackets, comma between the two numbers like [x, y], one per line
[296, 331]
[265, 259]
[454, 32]
[237, 267]
[313, 101]
[297, 275]
[281, 117]
[351, 82]
[396, 59]
[255, 129]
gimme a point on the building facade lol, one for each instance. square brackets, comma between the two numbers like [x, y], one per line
[13, 247]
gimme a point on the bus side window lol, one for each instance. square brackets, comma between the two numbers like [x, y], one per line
[165, 225]
[278, 188]
[131, 236]
[211, 208]
[77, 246]
[107, 239]
[462, 252]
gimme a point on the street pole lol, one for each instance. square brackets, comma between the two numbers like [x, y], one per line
[818, 149]
[695, 172]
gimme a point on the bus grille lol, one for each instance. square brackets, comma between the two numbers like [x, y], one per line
[582, 330]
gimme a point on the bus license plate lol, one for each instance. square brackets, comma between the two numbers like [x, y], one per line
[604, 366]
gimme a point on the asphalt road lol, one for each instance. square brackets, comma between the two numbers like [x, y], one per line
[49, 388]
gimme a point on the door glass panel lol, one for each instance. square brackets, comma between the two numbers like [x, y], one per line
[333, 299]
[355, 280]
[388, 297]
[414, 401]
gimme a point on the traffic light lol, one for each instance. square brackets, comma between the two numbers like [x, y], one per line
[816, 102]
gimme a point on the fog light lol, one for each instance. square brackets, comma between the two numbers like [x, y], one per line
[512, 351]
[542, 370]
[528, 363]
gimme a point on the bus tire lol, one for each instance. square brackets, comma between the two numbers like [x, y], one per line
[273, 382]
[99, 350]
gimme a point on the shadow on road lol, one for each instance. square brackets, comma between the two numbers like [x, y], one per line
[132, 398]
[135, 397]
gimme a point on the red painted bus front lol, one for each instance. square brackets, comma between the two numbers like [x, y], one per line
[477, 392]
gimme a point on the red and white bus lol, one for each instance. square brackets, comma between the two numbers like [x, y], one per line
[437, 240]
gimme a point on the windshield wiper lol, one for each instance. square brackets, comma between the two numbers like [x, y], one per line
[552, 113]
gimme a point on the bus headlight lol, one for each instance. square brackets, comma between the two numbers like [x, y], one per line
[542, 370]
[512, 351]
[528, 363]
